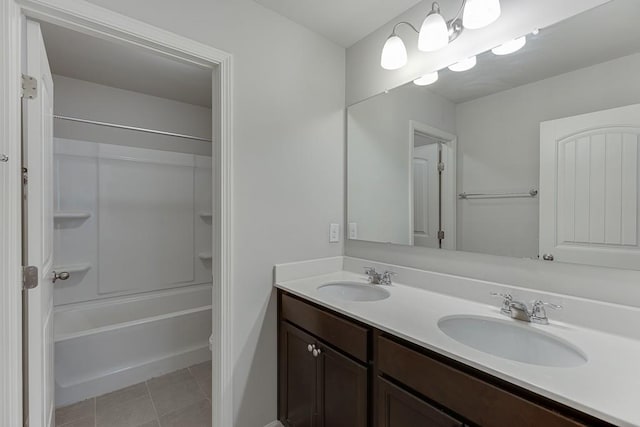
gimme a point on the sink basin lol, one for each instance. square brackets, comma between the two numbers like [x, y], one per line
[513, 341]
[353, 291]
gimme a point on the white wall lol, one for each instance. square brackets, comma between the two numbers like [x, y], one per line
[499, 149]
[91, 101]
[366, 78]
[379, 153]
[288, 163]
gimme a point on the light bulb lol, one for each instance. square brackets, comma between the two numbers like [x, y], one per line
[464, 65]
[394, 54]
[480, 13]
[434, 33]
[427, 79]
[510, 46]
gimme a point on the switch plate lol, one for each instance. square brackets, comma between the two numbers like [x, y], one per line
[334, 233]
[353, 230]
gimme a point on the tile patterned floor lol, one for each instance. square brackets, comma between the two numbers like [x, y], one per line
[178, 399]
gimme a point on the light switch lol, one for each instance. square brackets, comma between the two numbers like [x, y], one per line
[353, 230]
[334, 233]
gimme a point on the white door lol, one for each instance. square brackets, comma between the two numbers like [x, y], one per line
[589, 188]
[426, 196]
[38, 159]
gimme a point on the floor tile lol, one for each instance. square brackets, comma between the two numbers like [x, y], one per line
[133, 413]
[202, 374]
[168, 379]
[196, 415]
[74, 412]
[83, 422]
[201, 370]
[119, 397]
[176, 395]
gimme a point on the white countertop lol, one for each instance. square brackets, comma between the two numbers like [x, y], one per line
[607, 386]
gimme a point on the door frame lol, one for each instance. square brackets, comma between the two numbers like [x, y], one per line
[90, 19]
[449, 202]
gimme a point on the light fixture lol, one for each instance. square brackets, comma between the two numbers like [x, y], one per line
[427, 79]
[434, 33]
[464, 65]
[394, 54]
[510, 46]
[480, 13]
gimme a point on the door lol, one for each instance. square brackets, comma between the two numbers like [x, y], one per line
[38, 236]
[589, 188]
[426, 196]
[398, 408]
[342, 390]
[298, 377]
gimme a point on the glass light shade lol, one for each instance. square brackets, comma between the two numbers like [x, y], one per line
[434, 33]
[427, 79]
[510, 46]
[464, 65]
[394, 54]
[480, 13]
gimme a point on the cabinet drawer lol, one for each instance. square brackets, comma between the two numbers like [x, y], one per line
[336, 331]
[477, 401]
[398, 408]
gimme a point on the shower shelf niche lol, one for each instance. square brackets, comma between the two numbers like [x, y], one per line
[73, 268]
[61, 216]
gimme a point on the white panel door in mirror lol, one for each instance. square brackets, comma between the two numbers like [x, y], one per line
[590, 214]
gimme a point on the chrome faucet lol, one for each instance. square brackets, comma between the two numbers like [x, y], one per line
[520, 311]
[376, 278]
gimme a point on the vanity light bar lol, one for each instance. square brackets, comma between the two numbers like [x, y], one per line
[510, 47]
[427, 79]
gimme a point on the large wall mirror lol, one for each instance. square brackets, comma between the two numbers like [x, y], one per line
[534, 154]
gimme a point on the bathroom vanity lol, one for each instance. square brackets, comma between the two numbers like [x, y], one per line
[355, 354]
[336, 371]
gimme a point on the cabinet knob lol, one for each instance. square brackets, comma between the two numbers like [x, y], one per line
[316, 352]
[310, 348]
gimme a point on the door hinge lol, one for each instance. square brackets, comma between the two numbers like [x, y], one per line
[29, 277]
[441, 167]
[441, 235]
[29, 87]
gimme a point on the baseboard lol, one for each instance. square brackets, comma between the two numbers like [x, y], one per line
[274, 424]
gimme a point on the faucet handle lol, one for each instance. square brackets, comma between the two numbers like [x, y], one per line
[385, 278]
[507, 299]
[538, 312]
[540, 303]
[372, 275]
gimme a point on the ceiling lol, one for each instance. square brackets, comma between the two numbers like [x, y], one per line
[92, 59]
[601, 34]
[342, 21]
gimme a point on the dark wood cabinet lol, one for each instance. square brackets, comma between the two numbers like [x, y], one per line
[298, 377]
[318, 385]
[359, 376]
[398, 408]
[343, 390]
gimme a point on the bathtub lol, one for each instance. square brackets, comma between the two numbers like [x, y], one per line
[102, 346]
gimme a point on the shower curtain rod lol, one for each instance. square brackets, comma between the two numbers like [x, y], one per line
[137, 129]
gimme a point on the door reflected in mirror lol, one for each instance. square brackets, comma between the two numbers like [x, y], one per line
[532, 154]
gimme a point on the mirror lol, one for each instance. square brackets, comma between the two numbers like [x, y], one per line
[532, 154]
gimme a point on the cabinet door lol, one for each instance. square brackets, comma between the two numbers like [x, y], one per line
[398, 408]
[342, 390]
[298, 378]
